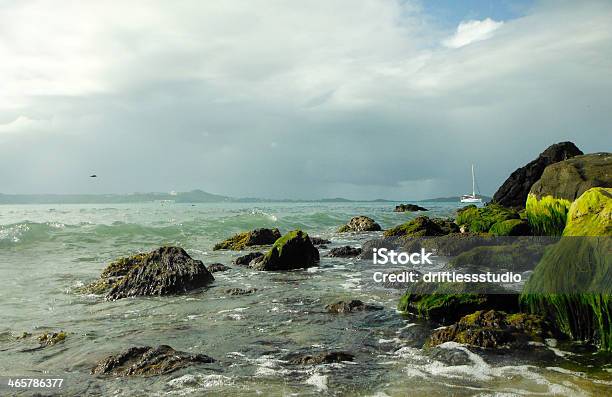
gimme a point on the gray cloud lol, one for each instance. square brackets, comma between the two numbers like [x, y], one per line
[283, 99]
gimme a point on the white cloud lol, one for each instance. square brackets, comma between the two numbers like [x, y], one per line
[472, 31]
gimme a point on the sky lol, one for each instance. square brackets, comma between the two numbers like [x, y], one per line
[361, 99]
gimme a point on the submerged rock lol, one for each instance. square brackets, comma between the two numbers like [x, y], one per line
[319, 241]
[354, 305]
[494, 329]
[409, 208]
[513, 192]
[241, 241]
[164, 271]
[217, 267]
[344, 252]
[360, 224]
[148, 361]
[292, 251]
[240, 291]
[321, 358]
[51, 338]
[423, 226]
[245, 260]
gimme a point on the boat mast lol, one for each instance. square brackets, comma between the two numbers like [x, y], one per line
[473, 183]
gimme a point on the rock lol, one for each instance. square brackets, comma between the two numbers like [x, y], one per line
[321, 358]
[350, 306]
[480, 220]
[148, 361]
[164, 271]
[409, 208]
[448, 356]
[513, 192]
[515, 255]
[51, 338]
[360, 224]
[423, 226]
[319, 241]
[344, 252]
[511, 227]
[241, 241]
[292, 251]
[245, 260]
[494, 329]
[570, 178]
[591, 214]
[217, 267]
[240, 291]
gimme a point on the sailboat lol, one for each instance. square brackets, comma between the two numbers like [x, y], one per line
[471, 198]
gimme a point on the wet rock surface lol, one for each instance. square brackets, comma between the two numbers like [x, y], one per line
[409, 208]
[353, 305]
[320, 358]
[164, 271]
[423, 226]
[240, 291]
[292, 251]
[344, 252]
[360, 224]
[240, 241]
[245, 260]
[148, 361]
[319, 241]
[217, 267]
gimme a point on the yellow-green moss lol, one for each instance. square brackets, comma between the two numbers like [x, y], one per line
[591, 214]
[547, 216]
[480, 220]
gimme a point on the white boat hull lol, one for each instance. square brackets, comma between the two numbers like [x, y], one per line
[471, 200]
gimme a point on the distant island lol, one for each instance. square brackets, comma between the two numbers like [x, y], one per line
[194, 196]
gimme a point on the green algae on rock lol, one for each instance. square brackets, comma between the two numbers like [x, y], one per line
[251, 238]
[360, 224]
[480, 220]
[292, 251]
[591, 214]
[423, 226]
[511, 227]
[547, 216]
[516, 255]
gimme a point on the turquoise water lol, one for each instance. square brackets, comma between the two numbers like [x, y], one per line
[48, 251]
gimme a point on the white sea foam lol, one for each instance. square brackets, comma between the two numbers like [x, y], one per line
[319, 381]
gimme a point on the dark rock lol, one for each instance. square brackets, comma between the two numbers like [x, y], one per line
[570, 178]
[423, 226]
[360, 224]
[391, 243]
[245, 260]
[494, 329]
[415, 335]
[148, 361]
[240, 291]
[293, 251]
[513, 192]
[448, 356]
[217, 267]
[409, 208]
[164, 271]
[322, 358]
[241, 241]
[344, 252]
[319, 241]
[350, 306]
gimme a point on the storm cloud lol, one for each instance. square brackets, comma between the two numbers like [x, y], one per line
[278, 99]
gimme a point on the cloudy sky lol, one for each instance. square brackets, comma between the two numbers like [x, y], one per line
[296, 99]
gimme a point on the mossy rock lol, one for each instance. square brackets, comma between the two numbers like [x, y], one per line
[591, 214]
[445, 303]
[292, 251]
[480, 220]
[516, 255]
[423, 226]
[254, 237]
[511, 227]
[52, 338]
[494, 329]
[546, 216]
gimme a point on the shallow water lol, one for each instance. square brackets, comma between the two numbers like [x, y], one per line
[48, 251]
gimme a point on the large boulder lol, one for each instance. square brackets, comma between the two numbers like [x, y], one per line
[423, 226]
[360, 224]
[570, 178]
[243, 240]
[292, 251]
[513, 192]
[550, 198]
[164, 271]
[148, 361]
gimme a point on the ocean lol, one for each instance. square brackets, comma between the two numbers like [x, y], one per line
[48, 251]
